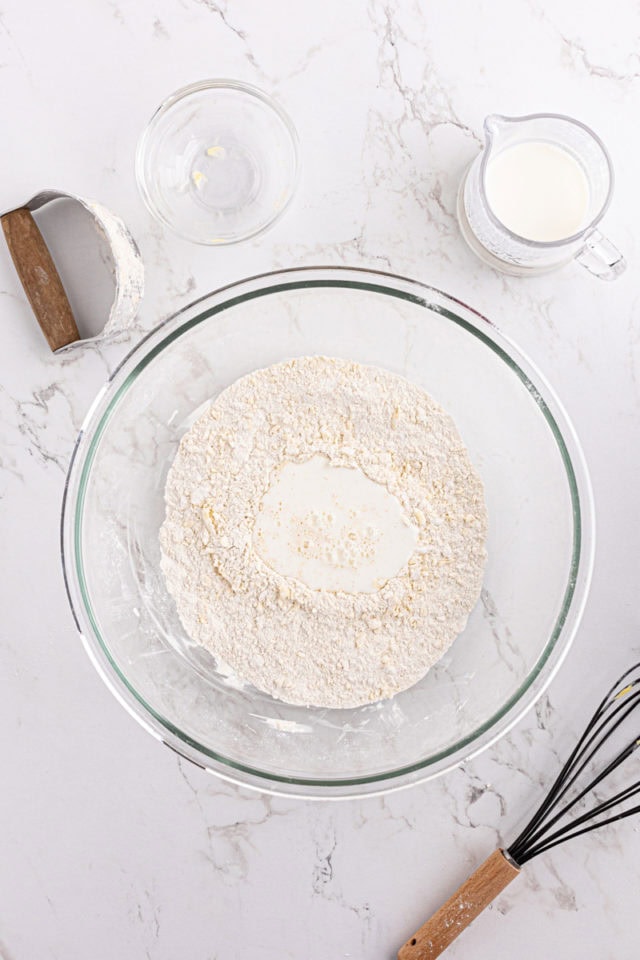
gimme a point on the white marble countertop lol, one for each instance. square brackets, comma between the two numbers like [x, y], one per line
[111, 845]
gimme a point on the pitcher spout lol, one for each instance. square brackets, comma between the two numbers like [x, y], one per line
[495, 126]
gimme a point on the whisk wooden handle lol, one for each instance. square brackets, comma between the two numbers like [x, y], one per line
[461, 909]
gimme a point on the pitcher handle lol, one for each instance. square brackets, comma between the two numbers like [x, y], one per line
[601, 258]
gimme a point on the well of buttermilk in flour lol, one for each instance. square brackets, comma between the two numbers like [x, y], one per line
[325, 532]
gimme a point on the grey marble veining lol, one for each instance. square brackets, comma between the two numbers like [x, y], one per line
[112, 845]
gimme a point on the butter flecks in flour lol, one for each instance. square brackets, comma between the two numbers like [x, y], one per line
[331, 625]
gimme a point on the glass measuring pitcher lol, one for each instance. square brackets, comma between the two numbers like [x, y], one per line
[557, 167]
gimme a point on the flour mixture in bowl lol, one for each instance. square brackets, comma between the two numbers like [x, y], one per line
[325, 532]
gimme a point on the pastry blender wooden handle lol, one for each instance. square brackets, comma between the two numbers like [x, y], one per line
[39, 277]
[461, 909]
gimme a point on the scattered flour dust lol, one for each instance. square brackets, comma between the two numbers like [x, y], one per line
[321, 647]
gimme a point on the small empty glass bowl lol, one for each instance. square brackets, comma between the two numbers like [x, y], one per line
[218, 162]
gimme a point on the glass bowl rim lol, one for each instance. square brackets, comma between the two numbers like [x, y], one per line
[217, 83]
[576, 592]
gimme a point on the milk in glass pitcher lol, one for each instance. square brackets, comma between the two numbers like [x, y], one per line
[533, 199]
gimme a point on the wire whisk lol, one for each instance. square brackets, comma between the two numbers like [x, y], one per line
[539, 835]
[573, 806]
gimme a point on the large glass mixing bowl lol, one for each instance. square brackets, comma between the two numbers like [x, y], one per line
[540, 543]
